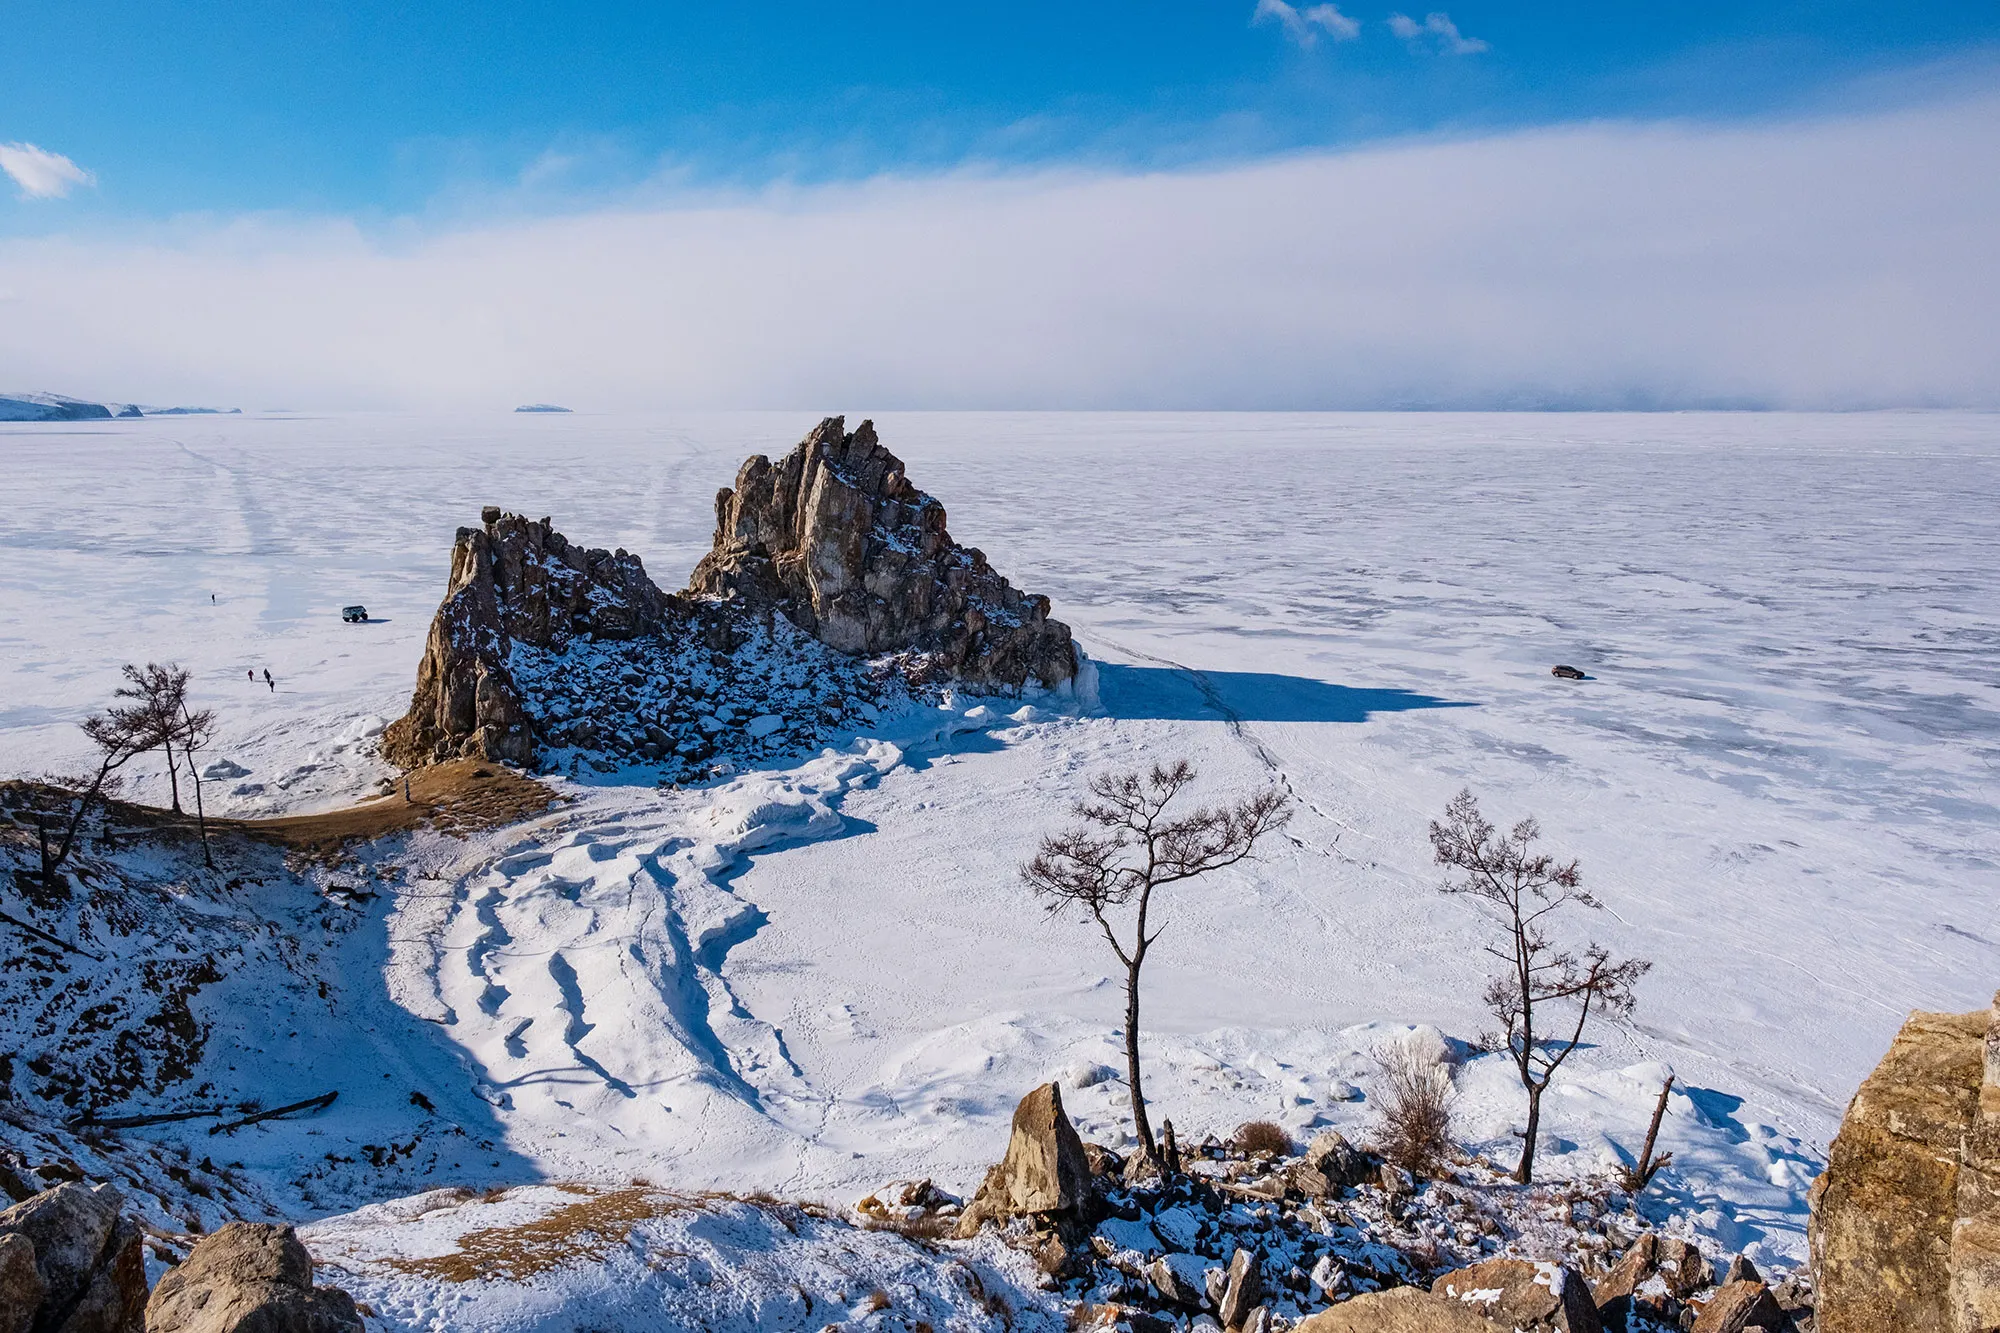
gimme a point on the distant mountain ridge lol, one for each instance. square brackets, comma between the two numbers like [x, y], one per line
[61, 407]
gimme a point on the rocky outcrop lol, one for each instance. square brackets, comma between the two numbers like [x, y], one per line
[832, 580]
[1045, 1173]
[836, 536]
[1331, 1165]
[71, 1262]
[249, 1277]
[1522, 1295]
[1905, 1229]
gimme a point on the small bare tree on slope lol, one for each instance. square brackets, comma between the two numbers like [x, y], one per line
[121, 734]
[1522, 888]
[1123, 847]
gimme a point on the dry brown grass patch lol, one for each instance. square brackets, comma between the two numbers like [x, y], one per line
[585, 1230]
[457, 797]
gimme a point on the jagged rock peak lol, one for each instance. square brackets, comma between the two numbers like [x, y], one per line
[836, 536]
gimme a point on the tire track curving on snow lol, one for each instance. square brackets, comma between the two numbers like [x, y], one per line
[582, 968]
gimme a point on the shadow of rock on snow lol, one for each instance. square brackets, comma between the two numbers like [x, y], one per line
[1184, 694]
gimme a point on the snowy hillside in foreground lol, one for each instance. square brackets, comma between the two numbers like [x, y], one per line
[1781, 780]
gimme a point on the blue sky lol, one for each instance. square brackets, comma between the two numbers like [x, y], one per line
[391, 109]
[1094, 204]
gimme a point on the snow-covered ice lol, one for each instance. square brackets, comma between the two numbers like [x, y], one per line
[1782, 777]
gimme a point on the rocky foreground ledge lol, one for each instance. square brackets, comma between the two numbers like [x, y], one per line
[832, 583]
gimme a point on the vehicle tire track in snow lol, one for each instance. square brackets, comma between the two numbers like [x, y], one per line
[584, 976]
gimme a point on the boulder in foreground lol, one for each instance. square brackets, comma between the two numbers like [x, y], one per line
[1045, 1172]
[71, 1261]
[249, 1277]
[1524, 1295]
[1905, 1229]
[1400, 1310]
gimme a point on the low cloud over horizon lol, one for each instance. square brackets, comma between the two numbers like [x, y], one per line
[1833, 263]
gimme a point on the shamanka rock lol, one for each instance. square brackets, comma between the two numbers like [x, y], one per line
[832, 581]
[836, 536]
[249, 1277]
[1905, 1229]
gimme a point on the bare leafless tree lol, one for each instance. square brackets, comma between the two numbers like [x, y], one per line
[1123, 847]
[159, 695]
[1522, 888]
[121, 734]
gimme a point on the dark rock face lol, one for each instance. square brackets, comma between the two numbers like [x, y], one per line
[249, 1278]
[823, 561]
[513, 581]
[835, 535]
[21, 1287]
[70, 1261]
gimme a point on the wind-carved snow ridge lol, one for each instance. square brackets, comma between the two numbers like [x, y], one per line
[583, 977]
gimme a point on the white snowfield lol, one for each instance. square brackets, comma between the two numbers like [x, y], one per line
[1782, 779]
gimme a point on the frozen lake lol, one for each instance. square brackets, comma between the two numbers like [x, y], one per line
[1783, 777]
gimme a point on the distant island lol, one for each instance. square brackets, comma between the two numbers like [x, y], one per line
[540, 407]
[61, 407]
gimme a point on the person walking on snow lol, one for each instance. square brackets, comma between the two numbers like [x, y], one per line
[268, 681]
[251, 676]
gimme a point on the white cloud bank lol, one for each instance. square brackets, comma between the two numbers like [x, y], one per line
[1844, 262]
[40, 173]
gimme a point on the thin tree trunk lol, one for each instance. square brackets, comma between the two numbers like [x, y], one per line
[76, 820]
[1139, 1122]
[173, 776]
[200, 815]
[1525, 1173]
[1645, 1172]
